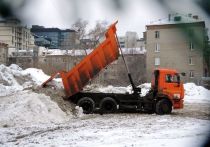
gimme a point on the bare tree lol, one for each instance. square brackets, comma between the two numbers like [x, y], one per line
[80, 26]
[98, 31]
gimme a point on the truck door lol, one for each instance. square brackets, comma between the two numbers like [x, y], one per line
[172, 86]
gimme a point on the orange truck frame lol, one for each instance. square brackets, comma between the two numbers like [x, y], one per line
[166, 92]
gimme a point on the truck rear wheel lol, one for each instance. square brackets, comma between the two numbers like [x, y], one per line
[87, 104]
[163, 106]
[108, 105]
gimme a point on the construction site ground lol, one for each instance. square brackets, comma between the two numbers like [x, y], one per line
[36, 116]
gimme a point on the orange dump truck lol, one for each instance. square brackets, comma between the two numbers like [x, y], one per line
[166, 92]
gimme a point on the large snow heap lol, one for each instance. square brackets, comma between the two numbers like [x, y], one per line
[19, 104]
[14, 78]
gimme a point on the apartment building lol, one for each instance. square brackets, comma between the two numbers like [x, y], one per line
[17, 36]
[176, 42]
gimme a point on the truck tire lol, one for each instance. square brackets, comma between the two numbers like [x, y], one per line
[108, 105]
[163, 106]
[87, 104]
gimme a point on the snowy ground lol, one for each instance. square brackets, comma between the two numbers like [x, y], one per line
[30, 118]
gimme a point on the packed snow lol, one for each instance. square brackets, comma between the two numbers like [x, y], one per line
[28, 117]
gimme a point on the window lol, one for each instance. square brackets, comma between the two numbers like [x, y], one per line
[157, 47]
[191, 74]
[191, 62]
[141, 48]
[191, 46]
[157, 61]
[12, 39]
[157, 34]
[171, 78]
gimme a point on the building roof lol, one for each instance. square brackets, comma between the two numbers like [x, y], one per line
[36, 28]
[174, 19]
[10, 19]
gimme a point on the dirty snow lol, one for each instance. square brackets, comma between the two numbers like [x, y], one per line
[32, 116]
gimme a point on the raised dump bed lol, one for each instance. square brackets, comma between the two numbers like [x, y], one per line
[75, 79]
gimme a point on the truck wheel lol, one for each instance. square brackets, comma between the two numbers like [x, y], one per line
[87, 105]
[163, 107]
[108, 105]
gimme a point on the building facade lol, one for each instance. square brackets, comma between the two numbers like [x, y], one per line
[130, 40]
[17, 36]
[62, 39]
[176, 43]
[141, 44]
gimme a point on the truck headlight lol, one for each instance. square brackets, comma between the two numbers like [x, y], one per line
[176, 96]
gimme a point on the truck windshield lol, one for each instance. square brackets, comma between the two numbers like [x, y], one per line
[172, 78]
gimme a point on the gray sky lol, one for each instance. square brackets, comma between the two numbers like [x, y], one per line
[132, 15]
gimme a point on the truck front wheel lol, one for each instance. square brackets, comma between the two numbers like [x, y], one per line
[87, 105]
[108, 105]
[163, 106]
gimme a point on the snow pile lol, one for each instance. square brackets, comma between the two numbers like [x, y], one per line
[194, 93]
[12, 79]
[145, 88]
[113, 89]
[26, 108]
[19, 105]
[37, 75]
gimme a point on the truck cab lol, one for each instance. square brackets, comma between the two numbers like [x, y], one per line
[168, 89]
